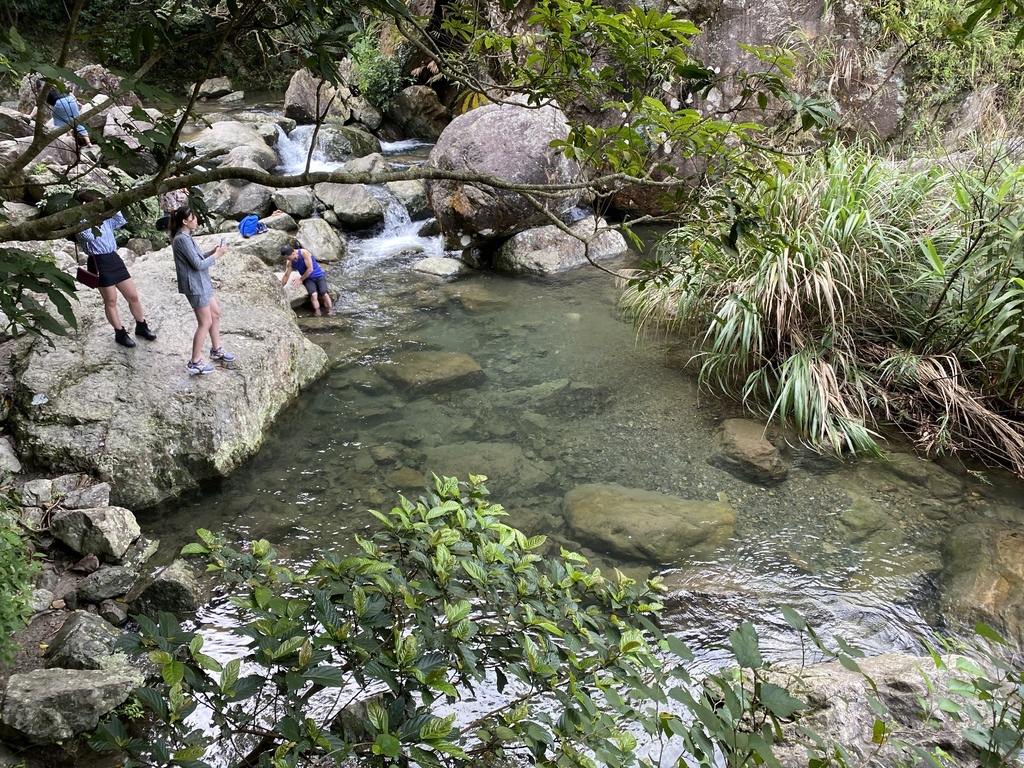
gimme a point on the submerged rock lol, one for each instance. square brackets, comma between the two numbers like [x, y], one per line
[423, 372]
[741, 448]
[645, 525]
[840, 709]
[983, 567]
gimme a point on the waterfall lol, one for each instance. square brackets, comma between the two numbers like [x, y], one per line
[293, 150]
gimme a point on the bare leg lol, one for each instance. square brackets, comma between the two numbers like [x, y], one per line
[214, 323]
[326, 299]
[109, 294]
[131, 295]
[204, 321]
[315, 302]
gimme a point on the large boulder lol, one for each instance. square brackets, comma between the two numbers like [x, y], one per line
[647, 526]
[322, 240]
[841, 709]
[548, 250]
[236, 199]
[309, 99]
[134, 417]
[223, 136]
[341, 143]
[353, 204]
[983, 569]
[52, 705]
[512, 143]
[419, 113]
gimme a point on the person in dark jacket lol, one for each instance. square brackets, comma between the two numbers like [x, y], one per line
[192, 266]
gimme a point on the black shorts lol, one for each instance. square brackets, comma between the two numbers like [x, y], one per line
[109, 267]
[316, 285]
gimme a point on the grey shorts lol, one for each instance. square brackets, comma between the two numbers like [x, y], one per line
[198, 302]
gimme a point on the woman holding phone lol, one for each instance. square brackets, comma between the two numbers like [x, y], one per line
[192, 266]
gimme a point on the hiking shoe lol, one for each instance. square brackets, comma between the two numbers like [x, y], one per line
[220, 354]
[198, 367]
[121, 337]
[143, 330]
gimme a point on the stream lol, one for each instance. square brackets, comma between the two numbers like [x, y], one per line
[855, 547]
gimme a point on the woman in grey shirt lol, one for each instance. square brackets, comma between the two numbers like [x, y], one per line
[193, 270]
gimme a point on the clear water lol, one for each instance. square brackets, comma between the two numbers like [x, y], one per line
[353, 441]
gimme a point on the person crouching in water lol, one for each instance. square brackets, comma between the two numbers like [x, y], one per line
[310, 274]
[193, 271]
[99, 243]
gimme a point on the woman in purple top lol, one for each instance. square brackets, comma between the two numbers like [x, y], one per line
[99, 243]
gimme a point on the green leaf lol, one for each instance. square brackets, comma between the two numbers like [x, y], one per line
[745, 646]
[437, 728]
[173, 673]
[779, 702]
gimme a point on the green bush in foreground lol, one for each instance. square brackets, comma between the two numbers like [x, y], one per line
[16, 571]
[363, 657]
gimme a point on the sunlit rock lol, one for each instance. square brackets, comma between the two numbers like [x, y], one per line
[645, 525]
[134, 417]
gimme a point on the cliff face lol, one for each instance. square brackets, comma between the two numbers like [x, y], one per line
[870, 77]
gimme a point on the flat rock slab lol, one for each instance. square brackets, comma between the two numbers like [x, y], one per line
[423, 372]
[55, 704]
[645, 525]
[134, 417]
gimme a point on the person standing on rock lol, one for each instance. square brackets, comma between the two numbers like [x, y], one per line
[192, 266]
[310, 274]
[101, 246]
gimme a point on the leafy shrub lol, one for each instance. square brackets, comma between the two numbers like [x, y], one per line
[16, 571]
[850, 291]
[379, 76]
[362, 657]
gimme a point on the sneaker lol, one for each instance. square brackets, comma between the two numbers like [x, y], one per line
[220, 354]
[198, 367]
[121, 337]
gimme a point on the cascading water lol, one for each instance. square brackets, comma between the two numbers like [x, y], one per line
[396, 242]
[293, 149]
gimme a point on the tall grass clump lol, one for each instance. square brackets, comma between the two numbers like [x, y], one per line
[850, 291]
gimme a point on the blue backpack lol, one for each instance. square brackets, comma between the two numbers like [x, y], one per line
[251, 225]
